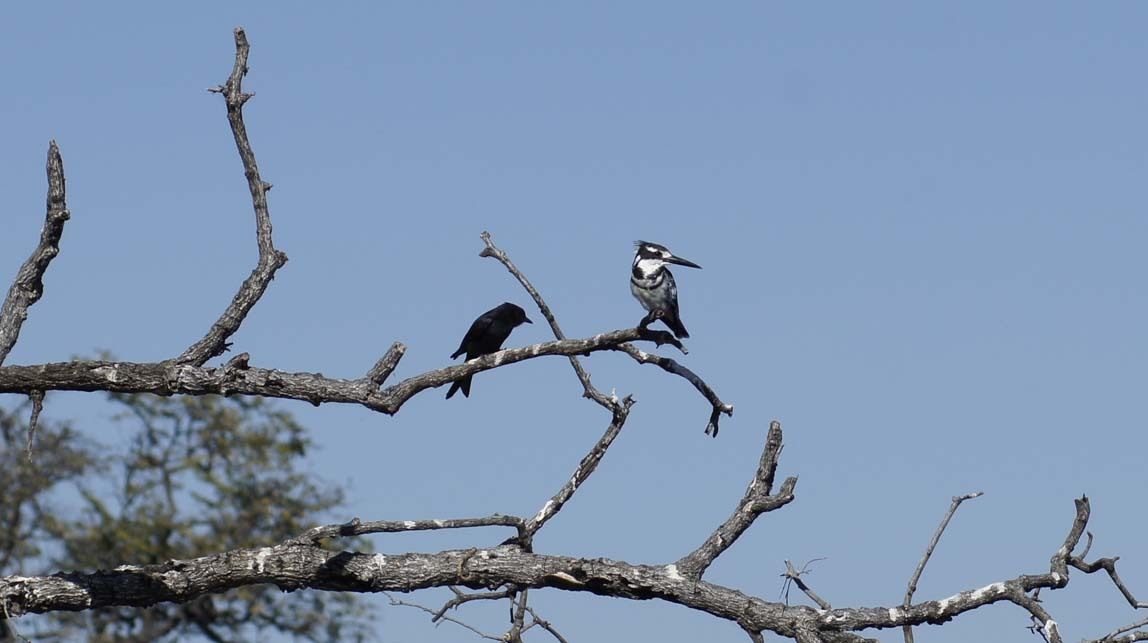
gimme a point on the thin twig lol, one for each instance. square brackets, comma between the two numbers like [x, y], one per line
[546, 625]
[29, 284]
[480, 633]
[793, 576]
[37, 398]
[461, 598]
[957, 500]
[270, 259]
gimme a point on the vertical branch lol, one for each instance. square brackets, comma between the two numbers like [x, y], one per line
[29, 284]
[37, 398]
[957, 500]
[270, 259]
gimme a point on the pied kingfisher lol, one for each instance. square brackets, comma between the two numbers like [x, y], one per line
[654, 287]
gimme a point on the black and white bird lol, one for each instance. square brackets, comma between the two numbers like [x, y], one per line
[485, 336]
[654, 287]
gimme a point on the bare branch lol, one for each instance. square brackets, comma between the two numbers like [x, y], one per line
[517, 618]
[461, 598]
[386, 364]
[37, 398]
[1042, 622]
[355, 527]
[29, 284]
[585, 468]
[1109, 566]
[671, 366]
[957, 500]
[544, 624]
[294, 566]
[168, 378]
[1115, 635]
[270, 259]
[756, 501]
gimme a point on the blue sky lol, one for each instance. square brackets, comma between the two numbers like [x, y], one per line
[922, 228]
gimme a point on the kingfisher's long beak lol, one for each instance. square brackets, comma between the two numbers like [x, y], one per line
[682, 262]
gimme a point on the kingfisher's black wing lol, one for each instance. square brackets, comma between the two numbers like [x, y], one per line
[670, 315]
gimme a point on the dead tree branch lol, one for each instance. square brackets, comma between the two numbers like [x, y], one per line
[957, 500]
[508, 570]
[758, 499]
[355, 527]
[671, 366]
[29, 284]
[585, 468]
[270, 259]
[167, 378]
[436, 617]
[793, 576]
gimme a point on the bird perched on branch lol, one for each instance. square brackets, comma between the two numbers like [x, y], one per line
[485, 336]
[654, 287]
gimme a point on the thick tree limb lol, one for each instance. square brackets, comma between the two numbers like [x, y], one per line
[29, 284]
[168, 378]
[295, 566]
[756, 501]
[300, 563]
[270, 259]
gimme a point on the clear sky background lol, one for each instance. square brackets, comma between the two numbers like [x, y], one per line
[922, 227]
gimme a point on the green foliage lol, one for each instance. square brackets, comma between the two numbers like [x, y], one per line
[200, 475]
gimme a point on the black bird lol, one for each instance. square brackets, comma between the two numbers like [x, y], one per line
[653, 285]
[485, 336]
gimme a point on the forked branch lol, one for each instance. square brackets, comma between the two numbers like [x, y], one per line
[270, 259]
